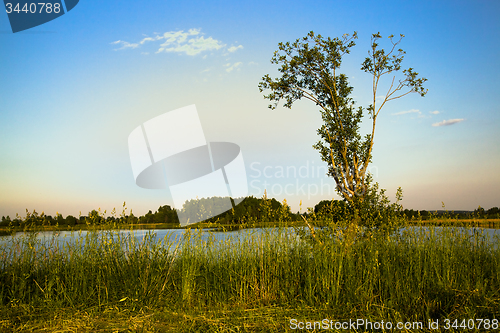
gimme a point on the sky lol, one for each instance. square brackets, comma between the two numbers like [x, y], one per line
[73, 89]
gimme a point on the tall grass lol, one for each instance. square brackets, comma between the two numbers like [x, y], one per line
[417, 274]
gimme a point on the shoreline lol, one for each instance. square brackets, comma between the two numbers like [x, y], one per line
[4, 231]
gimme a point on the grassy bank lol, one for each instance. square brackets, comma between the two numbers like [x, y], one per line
[5, 231]
[481, 223]
[108, 282]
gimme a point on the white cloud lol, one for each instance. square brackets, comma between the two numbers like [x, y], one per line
[448, 122]
[177, 37]
[232, 67]
[405, 112]
[192, 47]
[125, 45]
[190, 42]
[150, 39]
[434, 112]
[201, 44]
[235, 48]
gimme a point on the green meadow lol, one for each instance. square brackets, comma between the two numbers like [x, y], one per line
[261, 280]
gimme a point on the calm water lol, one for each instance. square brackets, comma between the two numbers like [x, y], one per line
[174, 236]
[171, 237]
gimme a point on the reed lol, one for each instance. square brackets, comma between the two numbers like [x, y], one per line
[418, 274]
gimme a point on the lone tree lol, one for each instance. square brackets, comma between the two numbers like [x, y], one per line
[310, 69]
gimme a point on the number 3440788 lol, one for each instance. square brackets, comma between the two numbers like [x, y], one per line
[33, 8]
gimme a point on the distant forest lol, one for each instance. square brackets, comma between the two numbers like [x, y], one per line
[249, 210]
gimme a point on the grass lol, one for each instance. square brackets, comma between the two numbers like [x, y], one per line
[433, 221]
[5, 231]
[483, 223]
[106, 281]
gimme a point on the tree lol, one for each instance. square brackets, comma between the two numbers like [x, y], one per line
[333, 210]
[312, 72]
[493, 213]
[71, 220]
[95, 218]
[479, 212]
[5, 221]
[165, 214]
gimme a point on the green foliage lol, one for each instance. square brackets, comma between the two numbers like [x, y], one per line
[310, 69]
[332, 210]
[479, 212]
[284, 213]
[5, 221]
[164, 214]
[266, 209]
[493, 213]
[33, 219]
[378, 214]
[95, 218]
[245, 212]
[202, 209]
[250, 210]
[421, 274]
[377, 217]
[71, 220]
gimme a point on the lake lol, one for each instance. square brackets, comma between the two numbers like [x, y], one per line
[173, 237]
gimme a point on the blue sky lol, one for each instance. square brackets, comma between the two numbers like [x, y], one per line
[74, 88]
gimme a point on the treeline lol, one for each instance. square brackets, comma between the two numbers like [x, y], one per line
[247, 210]
[95, 217]
[479, 213]
[336, 209]
[244, 210]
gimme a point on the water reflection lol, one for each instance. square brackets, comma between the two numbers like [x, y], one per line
[174, 237]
